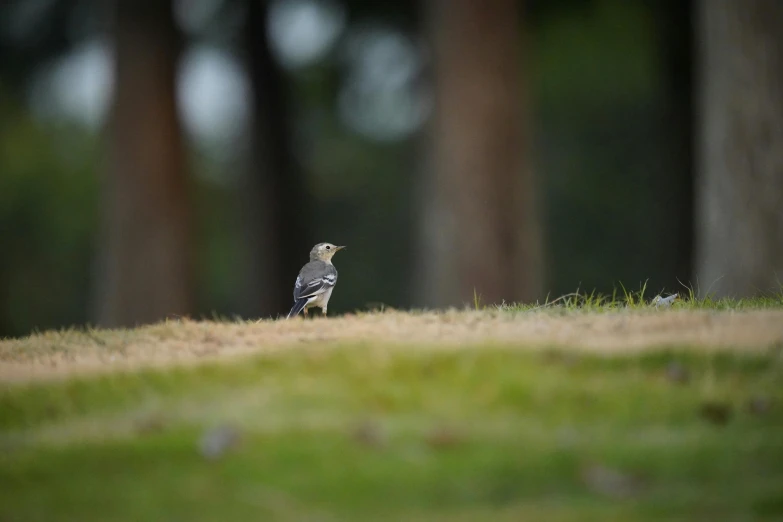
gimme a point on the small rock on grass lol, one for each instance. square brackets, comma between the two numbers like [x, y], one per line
[215, 442]
[370, 434]
[718, 413]
[444, 437]
[677, 373]
[664, 302]
[759, 405]
[150, 424]
[611, 482]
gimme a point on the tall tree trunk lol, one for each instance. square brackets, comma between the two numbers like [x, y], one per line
[275, 201]
[480, 222]
[674, 197]
[145, 263]
[740, 185]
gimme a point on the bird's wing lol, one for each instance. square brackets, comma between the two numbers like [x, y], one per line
[315, 278]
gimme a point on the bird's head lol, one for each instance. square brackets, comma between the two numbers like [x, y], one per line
[324, 252]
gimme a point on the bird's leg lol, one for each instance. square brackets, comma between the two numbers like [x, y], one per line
[304, 310]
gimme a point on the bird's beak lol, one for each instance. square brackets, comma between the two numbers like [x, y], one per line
[339, 248]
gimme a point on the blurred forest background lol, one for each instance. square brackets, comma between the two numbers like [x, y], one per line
[166, 158]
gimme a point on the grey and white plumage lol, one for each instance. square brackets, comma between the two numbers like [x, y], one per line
[316, 280]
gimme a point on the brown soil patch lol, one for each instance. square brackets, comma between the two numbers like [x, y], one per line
[54, 355]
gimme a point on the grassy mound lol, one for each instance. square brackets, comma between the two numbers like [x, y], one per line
[432, 423]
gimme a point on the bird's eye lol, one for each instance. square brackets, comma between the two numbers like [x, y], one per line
[328, 247]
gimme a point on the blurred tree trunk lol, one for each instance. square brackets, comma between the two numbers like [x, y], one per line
[480, 222]
[275, 201]
[145, 261]
[674, 198]
[740, 185]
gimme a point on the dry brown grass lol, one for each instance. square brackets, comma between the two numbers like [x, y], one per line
[52, 355]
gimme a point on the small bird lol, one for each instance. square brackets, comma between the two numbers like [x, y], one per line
[316, 280]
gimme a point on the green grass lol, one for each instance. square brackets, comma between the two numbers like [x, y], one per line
[374, 432]
[623, 299]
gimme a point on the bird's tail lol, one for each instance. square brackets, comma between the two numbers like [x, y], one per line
[298, 307]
